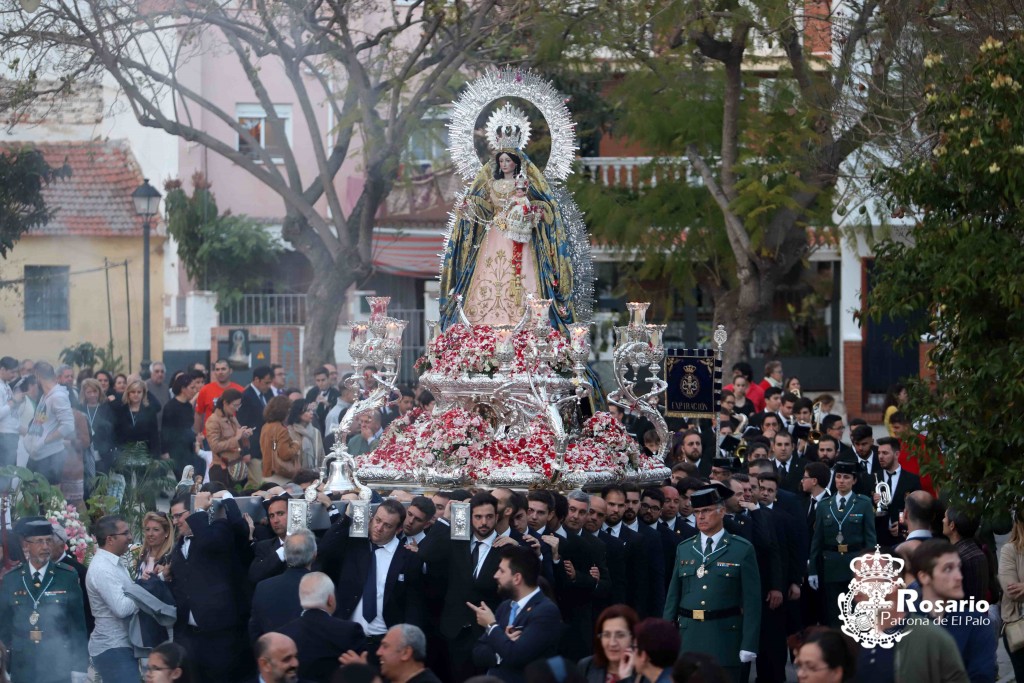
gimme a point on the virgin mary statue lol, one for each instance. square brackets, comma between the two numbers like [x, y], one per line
[508, 238]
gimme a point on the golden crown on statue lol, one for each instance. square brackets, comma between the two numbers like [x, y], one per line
[877, 566]
[508, 129]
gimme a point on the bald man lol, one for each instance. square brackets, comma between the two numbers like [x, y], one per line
[277, 659]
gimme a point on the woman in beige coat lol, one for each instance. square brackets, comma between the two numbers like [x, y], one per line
[281, 459]
[1011, 578]
[228, 441]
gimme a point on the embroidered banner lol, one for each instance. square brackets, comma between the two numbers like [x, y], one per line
[694, 379]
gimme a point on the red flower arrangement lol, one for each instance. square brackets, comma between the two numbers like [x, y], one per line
[461, 349]
[458, 440]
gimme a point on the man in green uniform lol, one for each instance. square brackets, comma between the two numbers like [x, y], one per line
[842, 529]
[42, 613]
[715, 590]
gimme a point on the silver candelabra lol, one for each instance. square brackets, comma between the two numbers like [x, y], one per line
[640, 346]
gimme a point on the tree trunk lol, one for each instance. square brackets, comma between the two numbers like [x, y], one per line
[326, 298]
[740, 310]
[333, 273]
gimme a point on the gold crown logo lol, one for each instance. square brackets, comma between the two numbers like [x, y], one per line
[690, 369]
[877, 566]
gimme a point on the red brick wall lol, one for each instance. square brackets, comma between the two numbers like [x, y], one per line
[818, 27]
[853, 377]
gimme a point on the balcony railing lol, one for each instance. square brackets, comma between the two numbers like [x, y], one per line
[266, 309]
[637, 172]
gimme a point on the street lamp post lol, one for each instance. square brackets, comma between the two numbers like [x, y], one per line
[147, 204]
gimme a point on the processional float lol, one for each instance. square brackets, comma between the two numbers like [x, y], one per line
[509, 396]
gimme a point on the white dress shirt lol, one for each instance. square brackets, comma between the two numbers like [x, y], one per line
[615, 530]
[635, 526]
[714, 540]
[892, 479]
[485, 547]
[42, 571]
[111, 608]
[383, 558]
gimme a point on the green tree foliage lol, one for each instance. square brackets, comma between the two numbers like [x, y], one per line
[23, 174]
[226, 254]
[755, 114]
[88, 355]
[961, 260]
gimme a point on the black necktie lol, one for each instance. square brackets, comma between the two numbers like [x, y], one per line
[370, 588]
[37, 578]
[785, 469]
[476, 555]
[708, 546]
[888, 480]
[814, 505]
[863, 466]
[842, 503]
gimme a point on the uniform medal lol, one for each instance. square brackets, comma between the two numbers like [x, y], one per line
[36, 634]
[702, 570]
[840, 545]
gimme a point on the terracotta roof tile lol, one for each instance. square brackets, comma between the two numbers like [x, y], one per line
[97, 199]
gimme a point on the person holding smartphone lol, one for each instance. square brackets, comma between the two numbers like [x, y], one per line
[9, 402]
[651, 659]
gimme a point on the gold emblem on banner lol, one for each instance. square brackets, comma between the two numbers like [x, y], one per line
[689, 384]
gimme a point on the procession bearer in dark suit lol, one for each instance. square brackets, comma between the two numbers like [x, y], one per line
[843, 528]
[522, 629]
[471, 570]
[42, 612]
[379, 583]
[204, 577]
[715, 591]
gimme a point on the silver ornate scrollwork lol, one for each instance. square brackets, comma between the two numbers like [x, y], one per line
[377, 343]
[720, 336]
[516, 398]
[640, 346]
[298, 514]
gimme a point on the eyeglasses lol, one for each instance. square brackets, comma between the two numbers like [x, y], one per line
[647, 506]
[615, 635]
[40, 541]
[811, 669]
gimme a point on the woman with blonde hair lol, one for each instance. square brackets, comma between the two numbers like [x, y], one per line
[157, 542]
[136, 419]
[1011, 609]
[281, 461]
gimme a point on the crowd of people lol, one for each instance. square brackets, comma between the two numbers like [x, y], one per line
[730, 569]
